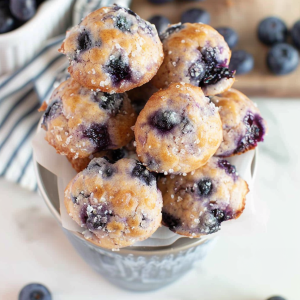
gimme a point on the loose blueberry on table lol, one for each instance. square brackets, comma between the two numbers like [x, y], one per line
[295, 33]
[272, 30]
[160, 22]
[230, 36]
[195, 15]
[282, 59]
[7, 21]
[241, 61]
[22, 10]
[35, 291]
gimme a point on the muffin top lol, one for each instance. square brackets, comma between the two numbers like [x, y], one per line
[118, 203]
[80, 122]
[178, 130]
[113, 50]
[196, 54]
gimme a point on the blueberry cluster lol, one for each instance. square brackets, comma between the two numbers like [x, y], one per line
[14, 13]
[282, 57]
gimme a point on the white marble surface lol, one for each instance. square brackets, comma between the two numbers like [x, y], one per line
[33, 248]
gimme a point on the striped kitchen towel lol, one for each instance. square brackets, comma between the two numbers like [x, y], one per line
[22, 93]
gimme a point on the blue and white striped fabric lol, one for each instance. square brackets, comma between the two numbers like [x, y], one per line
[21, 94]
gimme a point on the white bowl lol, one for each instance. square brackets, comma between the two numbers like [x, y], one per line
[18, 46]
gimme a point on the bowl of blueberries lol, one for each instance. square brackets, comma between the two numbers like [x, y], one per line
[25, 25]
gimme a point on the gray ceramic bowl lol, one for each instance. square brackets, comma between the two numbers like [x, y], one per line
[133, 268]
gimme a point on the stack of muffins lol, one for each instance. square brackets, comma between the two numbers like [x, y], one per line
[154, 155]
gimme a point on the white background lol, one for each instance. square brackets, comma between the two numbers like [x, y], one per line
[34, 249]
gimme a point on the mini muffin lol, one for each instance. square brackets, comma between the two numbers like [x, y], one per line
[195, 54]
[113, 50]
[243, 126]
[80, 122]
[197, 204]
[178, 130]
[118, 204]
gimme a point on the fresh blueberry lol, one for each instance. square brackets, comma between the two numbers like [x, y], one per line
[143, 174]
[109, 102]
[118, 69]
[272, 30]
[98, 216]
[123, 23]
[170, 30]
[282, 59]
[53, 109]
[254, 134]
[99, 135]
[84, 41]
[229, 168]
[205, 187]
[23, 10]
[35, 291]
[295, 33]
[195, 15]
[170, 221]
[241, 62]
[165, 120]
[160, 22]
[230, 36]
[7, 22]
[160, 1]
[276, 298]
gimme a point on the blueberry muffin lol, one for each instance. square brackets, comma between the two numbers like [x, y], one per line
[118, 203]
[243, 126]
[197, 204]
[80, 122]
[195, 54]
[113, 50]
[178, 130]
